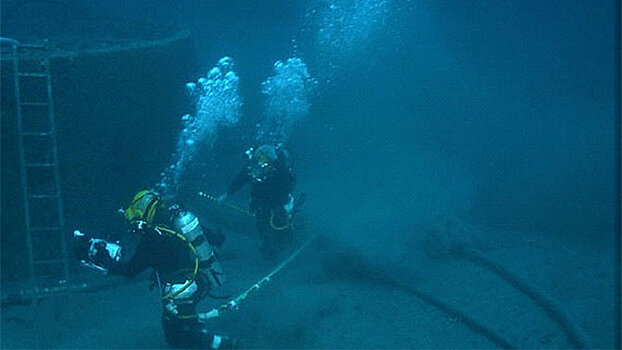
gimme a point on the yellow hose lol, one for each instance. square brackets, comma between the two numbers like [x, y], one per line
[227, 204]
[277, 228]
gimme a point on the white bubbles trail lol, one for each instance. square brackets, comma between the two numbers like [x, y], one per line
[287, 95]
[344, 30]
[217, 104]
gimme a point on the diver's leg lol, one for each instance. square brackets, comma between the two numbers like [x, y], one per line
[266, 234]
[174, 332]
[181, 332]
[189, 334]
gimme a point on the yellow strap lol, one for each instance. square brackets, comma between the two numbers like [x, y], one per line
[277, 228]
[189, 282]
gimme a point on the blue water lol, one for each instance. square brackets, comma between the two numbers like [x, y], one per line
[403, 115]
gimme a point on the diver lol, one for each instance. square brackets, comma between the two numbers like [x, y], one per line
[269, 172]
[178, 249]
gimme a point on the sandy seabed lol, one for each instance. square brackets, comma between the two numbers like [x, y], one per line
[330, 299]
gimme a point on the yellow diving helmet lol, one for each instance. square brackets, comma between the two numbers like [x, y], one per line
[143, 206]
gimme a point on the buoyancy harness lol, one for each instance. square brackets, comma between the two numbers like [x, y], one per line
[186, 228]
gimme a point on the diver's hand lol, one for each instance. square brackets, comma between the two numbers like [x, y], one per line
[100, 256]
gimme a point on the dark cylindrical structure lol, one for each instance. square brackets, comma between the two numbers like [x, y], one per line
[117, 107]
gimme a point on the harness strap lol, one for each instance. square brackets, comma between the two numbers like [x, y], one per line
[192, 278]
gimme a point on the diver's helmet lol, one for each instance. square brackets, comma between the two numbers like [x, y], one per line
[143, 207]
[262, 162]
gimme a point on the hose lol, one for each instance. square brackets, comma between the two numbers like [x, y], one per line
[574, 333]
[274, 226]
[469, 322]
[234, 303]
[231, 206]
[9, 41]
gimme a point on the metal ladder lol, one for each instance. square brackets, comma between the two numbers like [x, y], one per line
[43, 207]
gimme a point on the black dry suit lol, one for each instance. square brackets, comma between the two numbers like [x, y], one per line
[185, 269]
[271, 200]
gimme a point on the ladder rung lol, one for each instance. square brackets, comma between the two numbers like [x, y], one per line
[29, 133]
[34, 104]
[33, 75]
[45, 228]
[48, 262]
[42, 195]
[34, 165]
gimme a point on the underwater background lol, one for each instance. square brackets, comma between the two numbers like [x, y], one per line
[460, 162]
